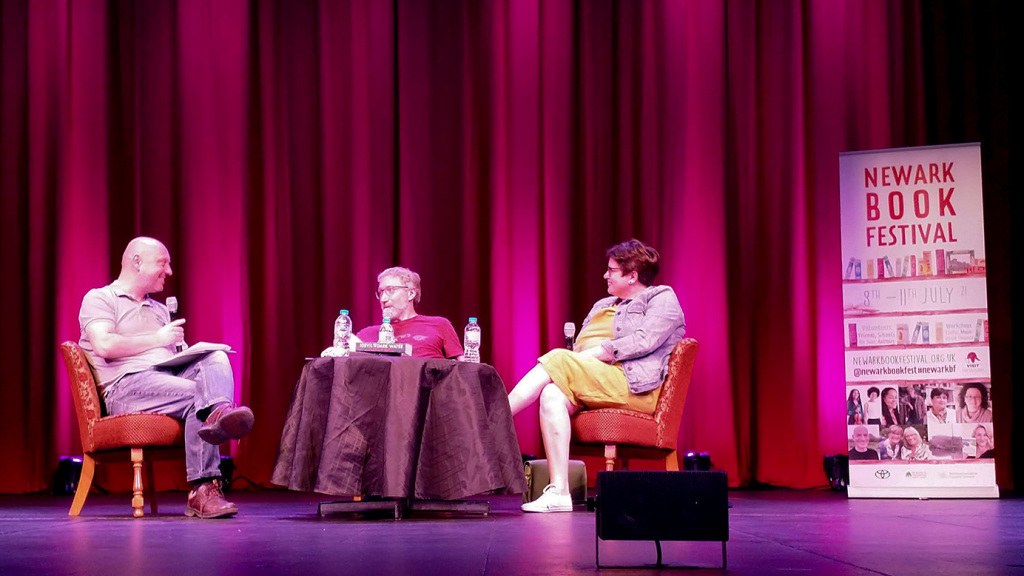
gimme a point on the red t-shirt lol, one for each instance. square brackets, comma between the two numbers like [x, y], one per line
[430, 336]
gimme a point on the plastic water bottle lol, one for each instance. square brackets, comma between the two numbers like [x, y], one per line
[342, 331]
[471, 341]
[387, 332]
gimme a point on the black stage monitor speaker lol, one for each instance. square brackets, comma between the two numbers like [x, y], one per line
[645, 505]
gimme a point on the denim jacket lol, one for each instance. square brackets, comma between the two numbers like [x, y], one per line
[647, 328]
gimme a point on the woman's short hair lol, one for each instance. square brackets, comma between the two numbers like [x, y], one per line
[408, 278]
[980, 388]
[635, 256]
[875, 390]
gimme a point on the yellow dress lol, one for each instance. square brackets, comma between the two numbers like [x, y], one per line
[589, 382]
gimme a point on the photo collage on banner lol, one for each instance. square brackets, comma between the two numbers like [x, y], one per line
[915, 313]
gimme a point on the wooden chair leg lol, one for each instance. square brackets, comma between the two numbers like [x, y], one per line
[149, 488]
[137, 499]
[84, 484]
[672, 461]
[609, 457]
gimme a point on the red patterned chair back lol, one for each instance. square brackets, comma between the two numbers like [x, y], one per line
[82, 378]
[669, 414]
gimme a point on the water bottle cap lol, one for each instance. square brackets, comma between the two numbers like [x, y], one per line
[387, 320]
[472, 319]
[342, 311]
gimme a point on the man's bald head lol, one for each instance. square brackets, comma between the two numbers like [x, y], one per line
[861, 437]
[139, 247]
[144, 265]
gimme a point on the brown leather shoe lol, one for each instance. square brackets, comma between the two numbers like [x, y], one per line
[207, 501]
[227, 422]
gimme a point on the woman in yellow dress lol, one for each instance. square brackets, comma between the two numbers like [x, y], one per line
[619, 361]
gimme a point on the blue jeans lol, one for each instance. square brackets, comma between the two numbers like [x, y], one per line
[180, 394]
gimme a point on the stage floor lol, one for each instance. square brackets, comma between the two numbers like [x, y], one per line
[278, 532]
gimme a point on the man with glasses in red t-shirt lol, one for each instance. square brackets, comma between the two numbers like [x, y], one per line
[398, 291]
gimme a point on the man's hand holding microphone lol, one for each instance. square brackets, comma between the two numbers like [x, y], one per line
[174, 327]
[173, 333]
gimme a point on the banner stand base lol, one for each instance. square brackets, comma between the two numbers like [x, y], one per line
[923, 493]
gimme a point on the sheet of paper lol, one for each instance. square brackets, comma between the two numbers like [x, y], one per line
[192, 353]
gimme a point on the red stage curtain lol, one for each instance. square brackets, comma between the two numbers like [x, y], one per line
[288, 150]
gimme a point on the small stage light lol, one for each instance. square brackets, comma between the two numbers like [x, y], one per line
[65, 478]
[837, 470]
[697, 461]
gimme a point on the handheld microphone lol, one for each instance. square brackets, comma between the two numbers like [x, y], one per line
[172, 307]
[570, 331]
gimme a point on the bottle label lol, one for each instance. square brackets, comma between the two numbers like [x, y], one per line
[342, 331]
[473, 338]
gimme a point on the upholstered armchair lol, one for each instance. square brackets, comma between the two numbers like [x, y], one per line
[620, 434]
[140, 438]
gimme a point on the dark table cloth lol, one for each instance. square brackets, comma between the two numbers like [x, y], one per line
[399, 427]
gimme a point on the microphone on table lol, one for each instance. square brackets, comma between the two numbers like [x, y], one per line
[570, 331]
[172, 307]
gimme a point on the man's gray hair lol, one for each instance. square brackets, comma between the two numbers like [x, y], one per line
[408, 278]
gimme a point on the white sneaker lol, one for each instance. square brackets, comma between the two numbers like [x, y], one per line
[549, 501]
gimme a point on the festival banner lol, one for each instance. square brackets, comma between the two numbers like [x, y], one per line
[915, 313]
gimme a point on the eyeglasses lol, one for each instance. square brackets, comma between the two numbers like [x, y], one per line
[389, 290]
[610, 269]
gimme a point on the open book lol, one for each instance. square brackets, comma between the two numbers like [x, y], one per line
[192, 353]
